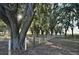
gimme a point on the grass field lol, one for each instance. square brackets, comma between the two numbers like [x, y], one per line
[54, 45]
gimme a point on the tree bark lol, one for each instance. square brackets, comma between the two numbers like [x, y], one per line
[72, 31]
[14, 30]
[51, 32]
[42, 32]
[26, 24]
[18, 38]
[65, 32]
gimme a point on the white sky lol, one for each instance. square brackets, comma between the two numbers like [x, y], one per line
[39, 1]
[76, 30]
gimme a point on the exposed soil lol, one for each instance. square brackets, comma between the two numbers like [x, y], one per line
[54, 46]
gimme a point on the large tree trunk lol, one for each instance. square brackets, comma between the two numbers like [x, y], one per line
[65, 32]
[14, 39]
[26, 24]
[51, 31]
[72, 31]
[55, 33]
[14, 30]
[60, 33]
[18, 38]
[42, 32]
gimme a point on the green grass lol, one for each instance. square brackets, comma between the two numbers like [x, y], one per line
[70, 36]
[74, 37]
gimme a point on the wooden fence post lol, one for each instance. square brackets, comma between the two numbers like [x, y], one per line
[9, 47]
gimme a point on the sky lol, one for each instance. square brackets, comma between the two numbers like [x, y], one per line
[76, 30]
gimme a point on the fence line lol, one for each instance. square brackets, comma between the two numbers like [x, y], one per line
[9, 47]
